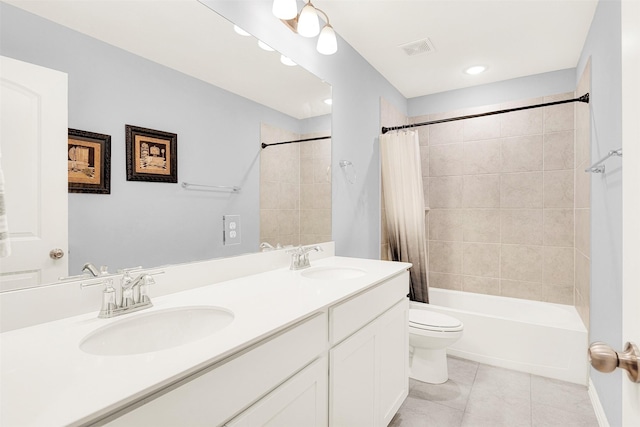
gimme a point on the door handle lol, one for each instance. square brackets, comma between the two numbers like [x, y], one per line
[56, 253]
[605, 359]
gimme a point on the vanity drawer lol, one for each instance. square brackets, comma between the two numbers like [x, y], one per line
[351, 315]
[227, 388]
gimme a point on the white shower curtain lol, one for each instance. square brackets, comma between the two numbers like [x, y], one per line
[404, 206]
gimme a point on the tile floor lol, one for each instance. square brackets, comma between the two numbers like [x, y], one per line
[478, 395]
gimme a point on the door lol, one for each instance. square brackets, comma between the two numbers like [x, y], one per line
[33, 143]
[630, 198]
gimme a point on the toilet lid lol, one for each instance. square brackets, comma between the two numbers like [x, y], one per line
[425, 319]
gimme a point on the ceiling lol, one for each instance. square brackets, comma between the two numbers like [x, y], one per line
[512, 38]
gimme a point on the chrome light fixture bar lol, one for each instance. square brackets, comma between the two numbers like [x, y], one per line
[307, 24]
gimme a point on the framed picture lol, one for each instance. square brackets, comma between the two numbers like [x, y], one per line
[152, 155]
[89, 162]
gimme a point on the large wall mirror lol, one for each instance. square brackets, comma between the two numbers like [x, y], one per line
[179, 67]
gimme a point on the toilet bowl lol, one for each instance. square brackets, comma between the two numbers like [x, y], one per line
[430, 334]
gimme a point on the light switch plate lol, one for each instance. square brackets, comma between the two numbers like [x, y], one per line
[231, 230]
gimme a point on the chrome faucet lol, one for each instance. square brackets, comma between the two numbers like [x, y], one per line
[266, 246]
[129, 286]
[91, 269]
[134, 295]
[300, 256]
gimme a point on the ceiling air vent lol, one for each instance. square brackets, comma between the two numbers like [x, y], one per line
[418, 47]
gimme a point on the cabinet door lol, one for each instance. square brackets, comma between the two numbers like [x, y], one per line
[301, 401]
[369, 372]
[352, 382]
[393, 356]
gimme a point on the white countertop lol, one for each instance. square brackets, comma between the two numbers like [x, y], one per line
[46, 380]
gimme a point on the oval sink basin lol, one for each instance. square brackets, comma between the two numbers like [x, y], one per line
[155, 331]
[333, 273]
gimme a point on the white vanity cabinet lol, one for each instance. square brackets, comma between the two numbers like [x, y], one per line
[369, 370]
[226, 388]
[344, 366]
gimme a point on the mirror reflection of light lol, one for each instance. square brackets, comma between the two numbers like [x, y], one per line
[328, 101]
[240, 31]
[265, 46]
[287, 61]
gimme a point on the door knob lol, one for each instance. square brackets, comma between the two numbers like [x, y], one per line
[605, 359]
[56, 253]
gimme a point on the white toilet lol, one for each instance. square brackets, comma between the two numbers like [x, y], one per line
[430, 334]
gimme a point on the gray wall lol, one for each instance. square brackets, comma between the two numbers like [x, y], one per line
[218, 143]
[522, 88]
[603, 45]
[356, 89]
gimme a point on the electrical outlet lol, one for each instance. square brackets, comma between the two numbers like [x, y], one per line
[231, 230]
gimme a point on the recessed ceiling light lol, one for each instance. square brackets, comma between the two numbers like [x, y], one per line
[240, 31]
[328, 101]
[476, 69]
[287, 61]
[265, 46]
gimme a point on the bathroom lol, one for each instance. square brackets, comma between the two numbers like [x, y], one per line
[355, 126]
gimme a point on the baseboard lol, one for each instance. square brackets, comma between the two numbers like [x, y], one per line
[597, 406]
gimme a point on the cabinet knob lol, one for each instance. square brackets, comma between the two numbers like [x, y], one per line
[56, 253]
[605, 359]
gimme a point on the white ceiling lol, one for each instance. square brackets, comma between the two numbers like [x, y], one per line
[513, 38]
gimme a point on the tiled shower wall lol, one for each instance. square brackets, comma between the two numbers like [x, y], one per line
[295, 189]
[583, 200]
[505, 218]
[501, 193]
[315, 190]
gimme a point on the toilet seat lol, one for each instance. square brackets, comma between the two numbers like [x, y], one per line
[432, 321]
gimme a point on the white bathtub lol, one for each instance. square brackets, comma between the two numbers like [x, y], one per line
[540, 338]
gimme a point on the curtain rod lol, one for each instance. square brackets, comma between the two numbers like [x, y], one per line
[297, 140]
[583, 98]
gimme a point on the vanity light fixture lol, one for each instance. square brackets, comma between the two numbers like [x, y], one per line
[307, 24]
[285, 9]
[476, 69]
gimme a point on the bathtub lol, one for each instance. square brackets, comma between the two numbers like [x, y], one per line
[540, 338]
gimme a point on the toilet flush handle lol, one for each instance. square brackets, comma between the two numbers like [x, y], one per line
[604, 359]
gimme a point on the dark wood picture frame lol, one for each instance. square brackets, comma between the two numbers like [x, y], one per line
[152, 155]
[89, 162]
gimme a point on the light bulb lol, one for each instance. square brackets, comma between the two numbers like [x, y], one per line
[285, 9]
[328, 101]
[308, 25]
[287, 61]
[327, 42]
